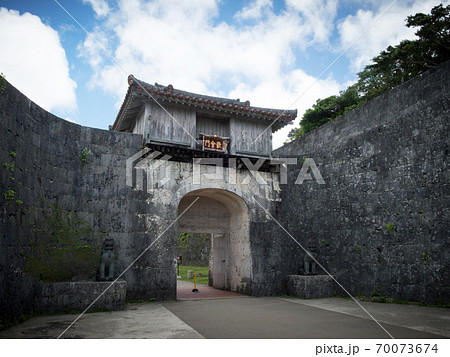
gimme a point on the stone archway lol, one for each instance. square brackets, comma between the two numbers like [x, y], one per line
[224, 215]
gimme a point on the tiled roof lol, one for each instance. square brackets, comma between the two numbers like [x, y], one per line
[139, 91]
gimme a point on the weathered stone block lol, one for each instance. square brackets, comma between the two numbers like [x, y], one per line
[78, 295]
[309, 286]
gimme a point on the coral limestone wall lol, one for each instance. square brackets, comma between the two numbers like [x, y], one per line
[381, 220]
[45, 151]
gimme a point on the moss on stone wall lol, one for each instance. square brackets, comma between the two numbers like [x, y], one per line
[65, 247]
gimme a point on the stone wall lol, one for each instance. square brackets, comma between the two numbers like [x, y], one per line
[380, 221]
[78, 295]
[48, 166]
[238, 191]
[310, 286]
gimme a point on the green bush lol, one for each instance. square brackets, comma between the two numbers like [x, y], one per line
[194, 248]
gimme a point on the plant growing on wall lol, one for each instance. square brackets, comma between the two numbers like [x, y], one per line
[425, 257]
[389, 227]
[2, 83]
[85, 154]
[64, 248]
[11, 195]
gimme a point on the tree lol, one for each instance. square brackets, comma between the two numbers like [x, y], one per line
[390, 68]
[434, 35]
[399, 63]
[325, 110]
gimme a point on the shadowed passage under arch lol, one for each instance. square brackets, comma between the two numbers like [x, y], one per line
[225, 216]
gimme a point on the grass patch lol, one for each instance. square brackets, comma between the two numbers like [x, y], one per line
[202, 274]
[380, 299]
[401, 302]
[444, 305]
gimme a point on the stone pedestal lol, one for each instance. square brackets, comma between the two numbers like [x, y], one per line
[78, 295]
[310, 286]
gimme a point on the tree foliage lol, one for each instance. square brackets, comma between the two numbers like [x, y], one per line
[329, 108]
[194, 248]
[389, 69]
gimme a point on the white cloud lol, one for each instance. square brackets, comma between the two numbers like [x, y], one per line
[318, 16]
[34, 61]
[187, 46]
[293, 90]
[93, 48]
[390, 29]
[255, 10]
[180, 44]
[100, 7]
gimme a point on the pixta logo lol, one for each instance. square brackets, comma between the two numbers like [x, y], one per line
[143, 170]
[148, 170]
[252, 169]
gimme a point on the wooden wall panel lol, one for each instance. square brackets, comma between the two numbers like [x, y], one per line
[213, 126]
[162, 127]
[244, 132]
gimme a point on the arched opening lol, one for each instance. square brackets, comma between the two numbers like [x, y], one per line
[224, 215]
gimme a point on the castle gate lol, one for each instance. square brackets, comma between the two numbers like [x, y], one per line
[225, 216]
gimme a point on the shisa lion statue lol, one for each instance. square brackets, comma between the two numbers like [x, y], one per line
[309, 264]
[107, 260]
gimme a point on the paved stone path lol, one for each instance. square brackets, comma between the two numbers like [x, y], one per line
[272, 317]
[245, 317]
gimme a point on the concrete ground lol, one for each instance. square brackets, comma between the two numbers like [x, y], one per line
[150, 320]
[427, 319]
[184, 292]
[245, 317]
[272, 317]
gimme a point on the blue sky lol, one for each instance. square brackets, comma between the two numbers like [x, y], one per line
[268, 52]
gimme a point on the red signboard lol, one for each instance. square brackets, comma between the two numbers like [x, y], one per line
[215, 143]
